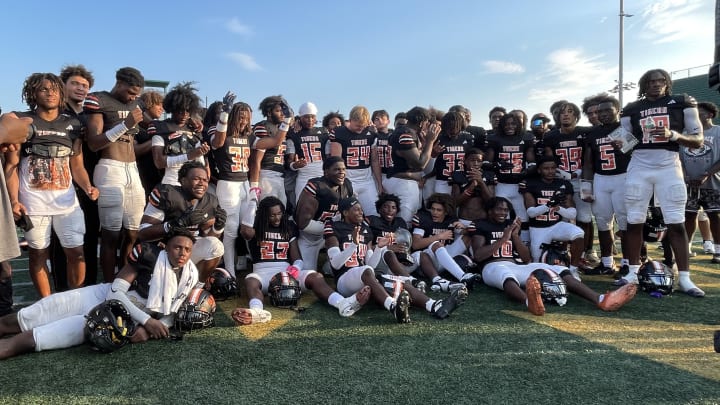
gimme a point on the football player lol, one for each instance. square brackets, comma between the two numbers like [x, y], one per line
[40, 177]
[112, 119]
[58, 321]
[549, 205]
[478, 133]
[410, 158]
[606, 167]
[187, 206]
[309, 145]
[452, 141]
[506, 264]
[381, 121]
[274, 249]
[319, 202]
[351, 255]
[566, 144]
[355, 143]
[661, 123]
[472, 186]
[178, 139]
[440, 236]
[511, 145]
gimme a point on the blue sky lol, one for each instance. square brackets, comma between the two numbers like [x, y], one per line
[382, 54]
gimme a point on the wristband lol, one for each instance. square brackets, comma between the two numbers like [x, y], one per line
[171, 161]
[674, 135]
[166, 227]
[114, 133]
[284, 127]
[292, 167]
[221, 125]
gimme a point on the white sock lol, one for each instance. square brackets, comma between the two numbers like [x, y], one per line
[447, 262]
[632, 274]
[607, 261]
[388, 303]
[334, 299]
[256, 303]
[429, 304]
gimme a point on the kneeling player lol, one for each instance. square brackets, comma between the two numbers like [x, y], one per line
[497, 246]
[58, 320]
[273, 246]
[351, 255]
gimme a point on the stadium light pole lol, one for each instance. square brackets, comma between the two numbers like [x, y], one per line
[621, 47]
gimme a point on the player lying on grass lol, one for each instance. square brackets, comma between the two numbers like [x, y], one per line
[498, 248]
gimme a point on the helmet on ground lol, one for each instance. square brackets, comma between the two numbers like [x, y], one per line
[555, 253]
[284, 290]
[197, 312]
[221, 284]
[108, 326]
[466, 263]
[655, 276]
[553, 286]
[654, 229]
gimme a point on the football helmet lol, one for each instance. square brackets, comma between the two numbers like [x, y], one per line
[403, 236]
[197, 312]
[654, 229]
[466, 263]
[221, 284]
[108, 326]
[656, 277]
[555, 253]
[284, 290]
[553, 286]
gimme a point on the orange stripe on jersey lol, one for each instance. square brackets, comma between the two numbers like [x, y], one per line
[260, 131]
[311, 188]
[134, 255]
[91, 103]
[328, 230]
[154, 198]
[406, 139]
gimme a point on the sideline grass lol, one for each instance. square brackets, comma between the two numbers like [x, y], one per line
[489, 351]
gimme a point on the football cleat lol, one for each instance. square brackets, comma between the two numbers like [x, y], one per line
[401, 308]
[716, 258]
[442, 308]
[444, 285]
[349, 306]
[469, 279]
[533, 290]
[709, 247]
[420, 285]
[615, 300]
[600, 269]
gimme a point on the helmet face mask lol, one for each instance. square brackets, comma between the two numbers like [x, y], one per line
[555, 253]
[656, 277]
[221, 284]
[553, 289]
[466, 263]
[108, 326]
[284, 290]
[197, 312]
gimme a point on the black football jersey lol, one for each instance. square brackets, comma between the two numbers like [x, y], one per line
[272, 247]
[274, 158]
[492, 232]
[382, 142]
[479, 136]
[328, 196]
[49, 135]
[343, 231]
[178, 140]
[403, 138]
[567, 147]
[113, 111]
[542, 192]
[453, 156]
[664, 112]
[381, 228]
[355, 147]
[143, 257]
[512, 149]
[310, 143]
[231, 159]
[423, 220]
[171, 200]
[606, 160]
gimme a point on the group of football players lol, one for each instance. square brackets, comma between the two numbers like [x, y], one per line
[434, 204]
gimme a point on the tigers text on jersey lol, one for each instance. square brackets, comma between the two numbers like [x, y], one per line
[113, 112]
[424, 225]
[231, 159]
[381, 228]
[343, 231]
[567, 147]
[274, 158]
[542, 192]
[492, 232]
[328, 196]
[667, 111]
[513, 149]
[355, 146]
[273, 247]
[452, 156]
[606, 159]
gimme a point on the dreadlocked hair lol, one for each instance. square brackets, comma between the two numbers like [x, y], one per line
[234, 129]
[34, 83]
[644, 83]
[268, 104]
[181, 98]
[262, 222]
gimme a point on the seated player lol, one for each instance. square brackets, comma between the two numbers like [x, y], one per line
[550, 205]
[440, 237]
[273, 245]
[58, 321]
[187, 206]
[507, 263]
[352, 258]
[472, 186]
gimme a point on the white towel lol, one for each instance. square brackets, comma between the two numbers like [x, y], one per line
[166, 294]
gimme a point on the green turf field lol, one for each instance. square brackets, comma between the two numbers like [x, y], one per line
[490, 351]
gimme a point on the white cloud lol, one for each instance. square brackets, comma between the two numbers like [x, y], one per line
[246, 61]
[497, 66]
[235, 26]
[672, 20]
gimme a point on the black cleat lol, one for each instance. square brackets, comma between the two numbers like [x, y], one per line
[442, 308]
